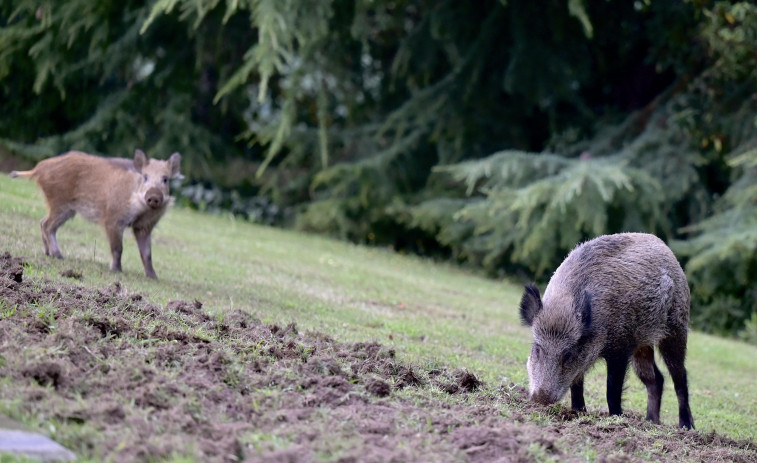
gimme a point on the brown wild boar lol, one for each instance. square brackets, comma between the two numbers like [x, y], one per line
[114, 192]
[615, 297]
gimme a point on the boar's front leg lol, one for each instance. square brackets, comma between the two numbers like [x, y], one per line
[116, 239]
[577, 395]
[617, 364]
[145, 250]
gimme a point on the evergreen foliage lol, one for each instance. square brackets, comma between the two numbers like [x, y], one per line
[530, 209]
[496, 133]
[721, 250]
[80, 75]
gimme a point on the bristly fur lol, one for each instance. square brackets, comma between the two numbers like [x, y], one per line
[617, 297]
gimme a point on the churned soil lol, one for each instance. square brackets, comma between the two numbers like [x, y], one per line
[119, 378]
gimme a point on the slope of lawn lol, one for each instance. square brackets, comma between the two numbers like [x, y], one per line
[431, 315]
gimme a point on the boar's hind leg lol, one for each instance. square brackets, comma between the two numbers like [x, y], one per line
[617, 364]
[645, 368]
[116, 239]
[145, 250]
[49, 225]
[577, 395]
[673, 350]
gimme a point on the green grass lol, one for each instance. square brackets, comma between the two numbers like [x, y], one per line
[430, 313]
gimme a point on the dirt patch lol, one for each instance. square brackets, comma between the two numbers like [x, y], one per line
[123, 379]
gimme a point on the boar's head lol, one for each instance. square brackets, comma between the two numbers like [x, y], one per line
[156, 175]
[564, 346]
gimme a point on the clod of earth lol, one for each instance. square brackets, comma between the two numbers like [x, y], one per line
[71, 274]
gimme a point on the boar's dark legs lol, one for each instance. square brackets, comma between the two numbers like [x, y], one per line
[577, 395]
[617, 364]
[673, 350]
[647, 371]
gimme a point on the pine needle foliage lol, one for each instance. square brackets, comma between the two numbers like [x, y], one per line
[527, 210]
[721, 250]
[83, 75]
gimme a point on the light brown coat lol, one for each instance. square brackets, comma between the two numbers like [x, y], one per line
[114, 192]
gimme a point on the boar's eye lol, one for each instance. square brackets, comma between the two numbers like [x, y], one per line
[146, 177]
[536, 351]
[567, 357]
[165, 179]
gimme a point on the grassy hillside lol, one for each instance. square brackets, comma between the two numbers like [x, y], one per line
[431, 314]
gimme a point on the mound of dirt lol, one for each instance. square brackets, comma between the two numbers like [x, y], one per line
[122, 379]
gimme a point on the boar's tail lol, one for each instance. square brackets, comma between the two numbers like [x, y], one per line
[22, 173]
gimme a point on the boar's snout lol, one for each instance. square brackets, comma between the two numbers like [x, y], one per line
[540, 396]
[154, 198]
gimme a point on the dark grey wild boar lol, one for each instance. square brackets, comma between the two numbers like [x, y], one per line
[114, 192]
[615, 297]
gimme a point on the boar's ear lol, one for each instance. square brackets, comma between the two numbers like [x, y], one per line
[140, 159]
[530, 304]
[174, 161]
